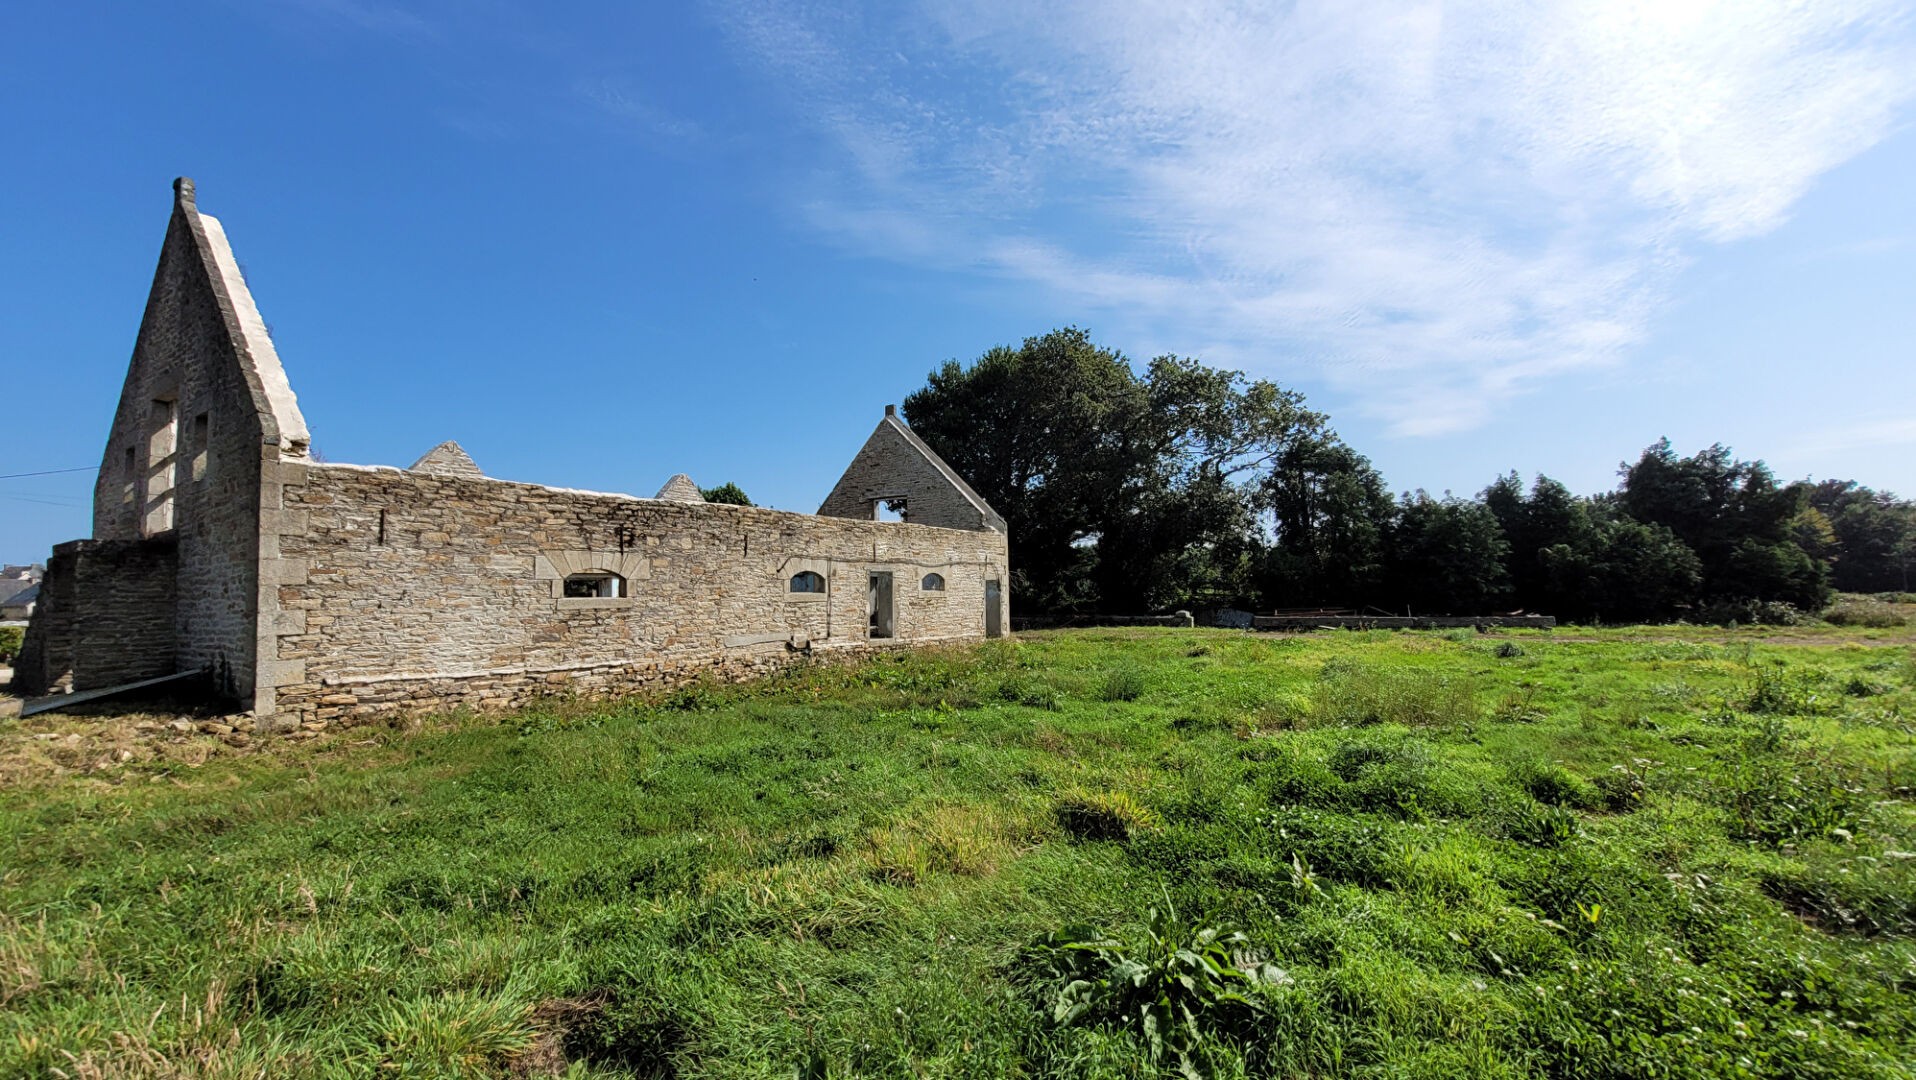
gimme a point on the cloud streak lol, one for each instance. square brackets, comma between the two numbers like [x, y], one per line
[1438, 208]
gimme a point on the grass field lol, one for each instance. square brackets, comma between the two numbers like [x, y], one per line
[1616, 853]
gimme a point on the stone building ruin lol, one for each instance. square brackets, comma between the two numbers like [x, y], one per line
[312, 591]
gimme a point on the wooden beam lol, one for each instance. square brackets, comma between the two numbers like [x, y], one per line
[57, 701]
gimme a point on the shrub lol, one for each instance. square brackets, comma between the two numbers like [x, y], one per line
[1030, 693]
[1541, 826]
[1393, 776]
[1623, 789]
[729, 493]
[1865, 611]
[1751, 613]
[1868, 896]
[700, 696]
[10, 640]
[1368, 774]
[1353, 695]
[1122, 684]
[1109, 815]
[1183, 990]
[1508, 650]
[1776, 691]
[1780, 801]
[459, 1033]
[1857, 685]
[1554, 785]
[1318, 847]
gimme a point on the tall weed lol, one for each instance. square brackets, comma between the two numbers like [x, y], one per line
[1183, 991]
[1353, 695]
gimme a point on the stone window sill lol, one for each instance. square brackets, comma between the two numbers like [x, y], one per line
[591, 603]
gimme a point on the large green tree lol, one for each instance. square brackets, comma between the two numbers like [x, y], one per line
[1447, 557]
[1330, 520]
[1124, 490]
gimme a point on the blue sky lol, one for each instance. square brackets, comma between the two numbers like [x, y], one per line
[602, 243]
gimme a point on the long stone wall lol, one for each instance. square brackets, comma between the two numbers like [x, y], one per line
[105, 617]
[400, 590]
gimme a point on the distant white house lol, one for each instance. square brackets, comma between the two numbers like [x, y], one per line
[19, 590]
[19, 606]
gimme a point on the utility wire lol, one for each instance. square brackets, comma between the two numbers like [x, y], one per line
[50, 472]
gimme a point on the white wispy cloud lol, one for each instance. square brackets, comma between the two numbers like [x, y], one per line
[629, 105]
[1856, 435]
[1440, 206]
[368, 15]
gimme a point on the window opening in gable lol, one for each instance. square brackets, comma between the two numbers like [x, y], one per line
[201, 428]
[933, 583]
[890, 510]
[162, 440]
[594, 584]
[808, 581]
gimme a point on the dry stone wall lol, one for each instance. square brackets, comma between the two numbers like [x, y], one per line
[105, 617]
[402, 590]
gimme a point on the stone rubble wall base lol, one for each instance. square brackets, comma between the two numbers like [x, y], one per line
[311, 707]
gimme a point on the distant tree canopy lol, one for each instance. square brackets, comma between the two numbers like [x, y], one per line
[1130, 488]
[727, 492]
[1873, 533]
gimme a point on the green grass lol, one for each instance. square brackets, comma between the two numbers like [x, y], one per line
[1615, 853]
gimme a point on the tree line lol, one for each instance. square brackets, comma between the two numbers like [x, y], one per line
[1183, 485]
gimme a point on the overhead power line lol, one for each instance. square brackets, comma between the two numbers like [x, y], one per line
[50, 472]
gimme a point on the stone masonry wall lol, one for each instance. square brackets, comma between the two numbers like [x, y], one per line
[204, 409]
[401, 590]
[105, 617]
[894, 463]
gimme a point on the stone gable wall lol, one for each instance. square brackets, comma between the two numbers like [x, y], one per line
[401, 590]
[203, 350]
[891, 466]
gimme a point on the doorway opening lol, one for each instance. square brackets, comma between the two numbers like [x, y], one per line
[881, 609]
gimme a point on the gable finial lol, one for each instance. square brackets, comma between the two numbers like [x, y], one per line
[183, 190]
[891, 410]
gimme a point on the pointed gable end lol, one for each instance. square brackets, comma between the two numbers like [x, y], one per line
[448, 459]
[204, 379]
[895, 466]
[680, 489]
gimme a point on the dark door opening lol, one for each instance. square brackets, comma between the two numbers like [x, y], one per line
[880, 597]
[994, 609]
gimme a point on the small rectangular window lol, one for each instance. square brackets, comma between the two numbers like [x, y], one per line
[200, 442]
[129, 478]
[594, 584]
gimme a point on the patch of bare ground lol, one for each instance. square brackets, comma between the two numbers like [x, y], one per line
[556, 1021]
[120, 741]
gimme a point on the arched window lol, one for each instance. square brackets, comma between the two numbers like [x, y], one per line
[808, 581]
[594, 584]
[933, 583]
